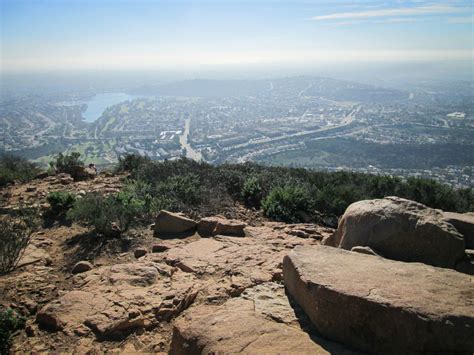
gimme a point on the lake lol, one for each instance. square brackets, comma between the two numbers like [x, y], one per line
[97, 105]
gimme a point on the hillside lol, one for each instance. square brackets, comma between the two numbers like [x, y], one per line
[109, 269]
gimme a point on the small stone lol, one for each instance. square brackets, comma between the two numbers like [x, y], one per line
[140, 252]
[81, 266]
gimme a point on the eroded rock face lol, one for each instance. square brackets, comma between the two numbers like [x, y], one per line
[375, 304]
[262, 321]
[170, 224]
[400, 229]
[116, 300]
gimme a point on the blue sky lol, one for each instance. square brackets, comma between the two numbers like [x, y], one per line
[147, 34]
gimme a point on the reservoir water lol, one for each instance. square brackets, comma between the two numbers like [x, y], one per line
[97, 105]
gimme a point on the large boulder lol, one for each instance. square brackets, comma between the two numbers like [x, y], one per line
[380, 305]
[400, 229]
[218, 225]
[172, 224]
[464, 223]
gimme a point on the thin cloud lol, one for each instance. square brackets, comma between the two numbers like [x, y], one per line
[461, 20]
[403, 11]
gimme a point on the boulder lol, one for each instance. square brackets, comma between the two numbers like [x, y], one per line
[380, 305]
[400, 229]
[217, 225]
[81, 266]
[172, 224]
[464, 223]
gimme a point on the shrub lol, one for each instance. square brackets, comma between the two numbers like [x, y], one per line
[252, 191]
[110, 215]
[287, 203]
[10, 322]
[16, 168]
[15, 235]
[183, 189]
[60, 202]
[70, 164]
[131, 162]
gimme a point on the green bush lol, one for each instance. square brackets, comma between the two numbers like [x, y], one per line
[252, 191]
[15, 235]
[69, 163]
[16, 168]
[60, 202]
[131, 162]
[110, 215]
[287, 203]
[10, 322]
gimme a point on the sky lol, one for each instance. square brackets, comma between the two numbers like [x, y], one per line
[47, 35]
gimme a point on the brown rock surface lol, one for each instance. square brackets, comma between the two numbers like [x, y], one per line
[376, 304]
[81, 266]
[400, 229]
[115, 300]
[171, 224]
[246, 325]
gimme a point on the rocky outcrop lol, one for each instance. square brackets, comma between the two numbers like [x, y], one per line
[169, 224]
[377, 305]
[116, 300]
[218, 225]
[260, 321]
[400, 229]
[464, 223]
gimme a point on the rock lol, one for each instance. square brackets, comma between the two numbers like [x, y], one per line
[464, 223]
[217, 225]
[380, 305]
[236, 327]
[31, 189]
[138, 253]
[171, 224]
[32, 255]
[42, 175]
[81, 266]
[400, 229]
[119, 299]
[364, 250]
[159, 248]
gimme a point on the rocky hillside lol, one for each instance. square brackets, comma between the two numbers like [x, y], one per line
[395, 276]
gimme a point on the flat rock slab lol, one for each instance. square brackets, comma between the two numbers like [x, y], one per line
[375, 304]
[246, 325]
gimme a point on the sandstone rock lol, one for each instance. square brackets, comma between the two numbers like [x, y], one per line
[400, 229]
[464, 223]
[138, 253]
[376, 304]
[171, 224]
[218, 225]
[33, 255]
[81, 266]
[31, 189]
[236, 327]
[116, 300]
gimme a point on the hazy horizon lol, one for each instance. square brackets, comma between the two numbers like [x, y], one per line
[237, 38]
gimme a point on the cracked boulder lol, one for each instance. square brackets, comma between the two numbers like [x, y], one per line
[113, 301]
[380, 305]
[218, 225]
